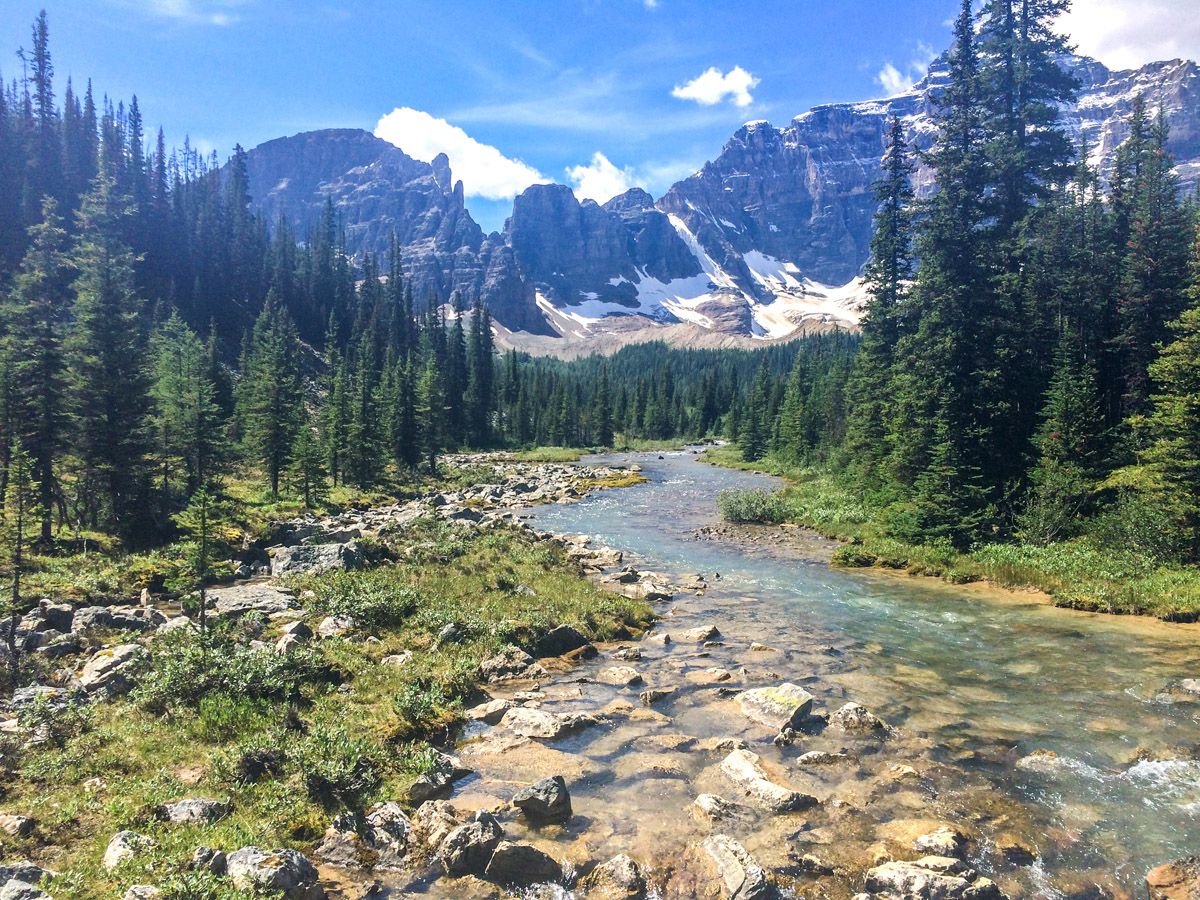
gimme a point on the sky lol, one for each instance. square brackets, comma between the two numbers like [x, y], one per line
[602, 95]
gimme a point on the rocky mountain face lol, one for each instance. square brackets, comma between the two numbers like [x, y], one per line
[767, 240]
[377, 190]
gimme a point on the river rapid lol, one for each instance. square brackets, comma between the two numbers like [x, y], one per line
[1060, 744]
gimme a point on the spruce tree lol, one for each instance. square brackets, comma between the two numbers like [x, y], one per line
[307, 468]
[21, 515]
[602, 415]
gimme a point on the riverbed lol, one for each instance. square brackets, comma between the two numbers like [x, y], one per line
[1060, 745]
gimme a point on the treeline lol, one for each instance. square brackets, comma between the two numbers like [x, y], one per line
[1030, 359]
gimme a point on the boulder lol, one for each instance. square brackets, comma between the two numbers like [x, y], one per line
[1179, 880]
[311, 559]
[112, 669]
[510, 663]
[287, 871]
[733, 873]
[946, 841]
[783, 706]
[432, 821]
[712, 808]
[214, 861]
[22, 890]
[194, 809]
[619, 676]
[142, 892]
[335, 626]
[539, 724]
[618, 879]
[522, 864]
[90, 618]
[742, 768]
[124, 846]
[700, 634]
[387, 832]
[445, 771]
[236, 600]
[857, 719]
[467, 849]
[931, 878]
[546, 801]
[23, 870]
[560, 641]
[490, 712]
[16, 826]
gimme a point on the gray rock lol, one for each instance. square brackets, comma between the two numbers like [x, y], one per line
[619, 676]
[142, 892]
[124, 846]
[335, 626]
[510, 663]
[618, 879]
[467, 849]
[312, 559]
[194, 809]
[783, 706]
[24, 870]
[522, 864]
[946, 841]
[545, 801]
[58, 616]
[388, 827]
[22, 890]
[90, 618]
[930, 878]
[16, 826]
[236, 600]
[431, 822]
[560, 641]
[282, 870]
[742, 768]
[857, 719]
[539, 724]
[113, 669]
[207, 858]
[445, 771]
[490, 712]
[451, 633]
[737, 875]
[714, 808]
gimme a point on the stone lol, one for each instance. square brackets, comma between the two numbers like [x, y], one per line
[618, 879]
[207, 858]
[713, 808]
[1179, 880]
[451, 633]
[822, 758]
[445, 771]
[522, 864]
[287, 871]
[124, 846]
[539, 724]
[737, 875]
[341, 848]
[930, 878]
[23, 870]
[546, 801]
[560, 641]
[742, 768]
[619, 676]
[700, 634]
[650, 696]
[490, 712]
[1190, 685]
[783, 706]
[467, 849]
[335, 626]
[236, 600]
[142, 892]
[22, 890]
[398, 660]
[510, 663]
[945, 841]
[16, 826]
[312, 559]
[432, 821]
[194, 809]
[388, 826]
[112, 670]
[857, 719]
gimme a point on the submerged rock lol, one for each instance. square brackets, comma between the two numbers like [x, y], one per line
[733, 874]
[522, 864]
[783, 706]
[1179, 880]
[931, 878]
[857, 719]
[742, 768]
[546, 801]
[618, 879]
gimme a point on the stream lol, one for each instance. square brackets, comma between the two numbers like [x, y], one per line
[978, 686]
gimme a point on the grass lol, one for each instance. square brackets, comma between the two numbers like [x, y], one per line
[1078, 574]
[290, 743]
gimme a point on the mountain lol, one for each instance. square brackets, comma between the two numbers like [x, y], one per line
[765, 241]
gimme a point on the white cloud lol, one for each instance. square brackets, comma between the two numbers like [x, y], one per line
[201, 12]
[711, 87]
[1124, 34]
[650, 4]
[895, 81]
[600, 180]
[484, 170]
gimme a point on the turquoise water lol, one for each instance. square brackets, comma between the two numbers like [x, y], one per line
[983, 680]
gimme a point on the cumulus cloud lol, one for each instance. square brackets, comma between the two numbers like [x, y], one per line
[484, 170]
[1125, 35]
[600, 180]
[895, 81]
[712, 86]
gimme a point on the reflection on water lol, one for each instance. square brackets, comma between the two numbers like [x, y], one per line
[987, 680]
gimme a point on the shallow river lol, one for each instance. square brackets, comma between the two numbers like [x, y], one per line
[974, 682]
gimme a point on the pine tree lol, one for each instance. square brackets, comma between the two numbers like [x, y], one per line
[21, 515]
[270, 393]
[430, 413]
[203, 521]
[602, 416]
[1173, 422]
[106, 362]
[35, 320]
[307, 469]
[887, 276]
[755, 432]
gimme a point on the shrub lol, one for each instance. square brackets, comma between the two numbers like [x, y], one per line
[334, 766]
[1138, 522]
[56, 723]
[370, 598]
[757, 507]
[853, 557]
[254, 759]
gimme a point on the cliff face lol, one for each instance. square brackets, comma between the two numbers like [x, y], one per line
[749, 245]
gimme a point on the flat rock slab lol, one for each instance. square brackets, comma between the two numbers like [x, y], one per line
[539, 724]
[720, 867]
[743, 769]
[937, 877]
[239, 599]
[785, 705]
[312, 559]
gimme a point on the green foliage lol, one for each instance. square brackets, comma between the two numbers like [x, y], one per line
[335, 767]
[372, 599]
[757, 507]
[56, 723]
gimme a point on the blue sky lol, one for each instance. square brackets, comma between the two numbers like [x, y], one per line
[522, 91]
